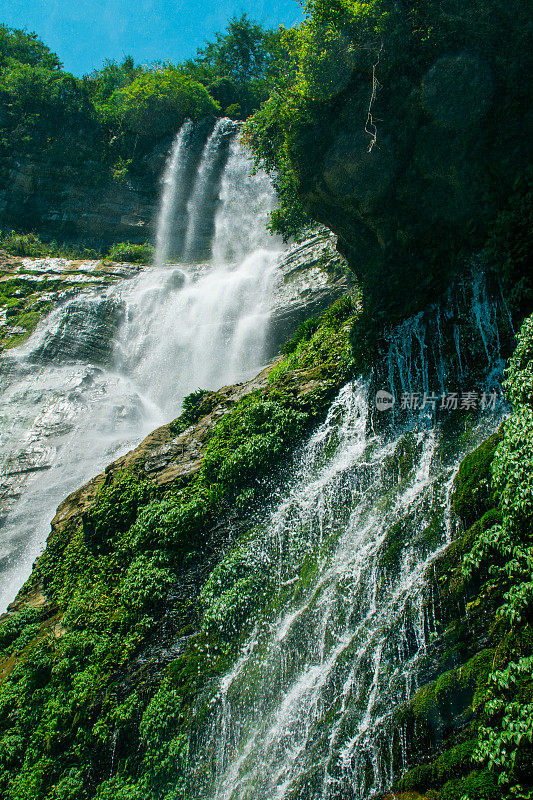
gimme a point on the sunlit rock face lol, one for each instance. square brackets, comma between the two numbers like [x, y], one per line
[311, 275]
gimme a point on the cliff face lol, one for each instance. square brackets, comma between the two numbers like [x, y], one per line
[419, 147]
[312, 275]
[89, 206]
[81, 198]
[156, 579]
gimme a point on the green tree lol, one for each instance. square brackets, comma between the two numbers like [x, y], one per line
[240, 53]
[157, 103]
[101, 83]
[19, 46]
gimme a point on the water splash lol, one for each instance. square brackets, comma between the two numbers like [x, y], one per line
[308, 709]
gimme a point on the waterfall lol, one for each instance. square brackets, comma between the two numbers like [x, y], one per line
[308, 709]
[206, 191]
[174, 193]
[108, 366]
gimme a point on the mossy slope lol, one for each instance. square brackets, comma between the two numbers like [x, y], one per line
[104, 651]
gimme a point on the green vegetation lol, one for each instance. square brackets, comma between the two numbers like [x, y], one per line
[308, 349]
[92, 125]
[21, 300]
[414, 177]
[30, 244]
[157, 103]
[303, 333]
[109, 130]
[26, 295]
[132, 253]
[473, 482]
[488, 568]
[505, 738]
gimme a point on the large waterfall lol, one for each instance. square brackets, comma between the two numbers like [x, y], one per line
[108, 366]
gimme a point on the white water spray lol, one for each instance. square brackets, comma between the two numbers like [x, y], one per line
[307, 709]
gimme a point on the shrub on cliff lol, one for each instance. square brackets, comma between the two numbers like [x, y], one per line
[505, 736]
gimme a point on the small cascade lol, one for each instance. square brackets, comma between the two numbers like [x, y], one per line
[424, 356]
[309, 709]
[174, 196]
[205, 196]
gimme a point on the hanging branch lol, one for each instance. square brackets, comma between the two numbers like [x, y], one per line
[370, 126]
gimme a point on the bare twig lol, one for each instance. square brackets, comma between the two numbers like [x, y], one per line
[370, 126]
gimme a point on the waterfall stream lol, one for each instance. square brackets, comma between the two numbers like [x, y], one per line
[174, 194]
[108, 366]
[308, 708]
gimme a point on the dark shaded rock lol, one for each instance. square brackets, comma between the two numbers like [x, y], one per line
[450, 132]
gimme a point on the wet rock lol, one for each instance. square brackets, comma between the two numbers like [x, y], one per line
[312, 276]
[84, 332]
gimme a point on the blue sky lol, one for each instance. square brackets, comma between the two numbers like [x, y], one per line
[85, 32]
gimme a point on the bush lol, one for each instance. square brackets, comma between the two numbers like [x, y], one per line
[115, 508]
[146, 583]
[132, 253]
[22, 244]
[157, 103]
[303, 334]
[30, 245]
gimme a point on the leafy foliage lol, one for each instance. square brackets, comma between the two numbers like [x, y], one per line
[506, 734]
[157, 103]
[30, 244]
[132, 253]
[25, 48]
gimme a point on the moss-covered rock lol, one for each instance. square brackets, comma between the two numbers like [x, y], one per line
[472, 495]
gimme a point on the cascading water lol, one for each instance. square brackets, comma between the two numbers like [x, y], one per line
[206, 191]
[107, 367]
[307, 711]
[174, 193]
